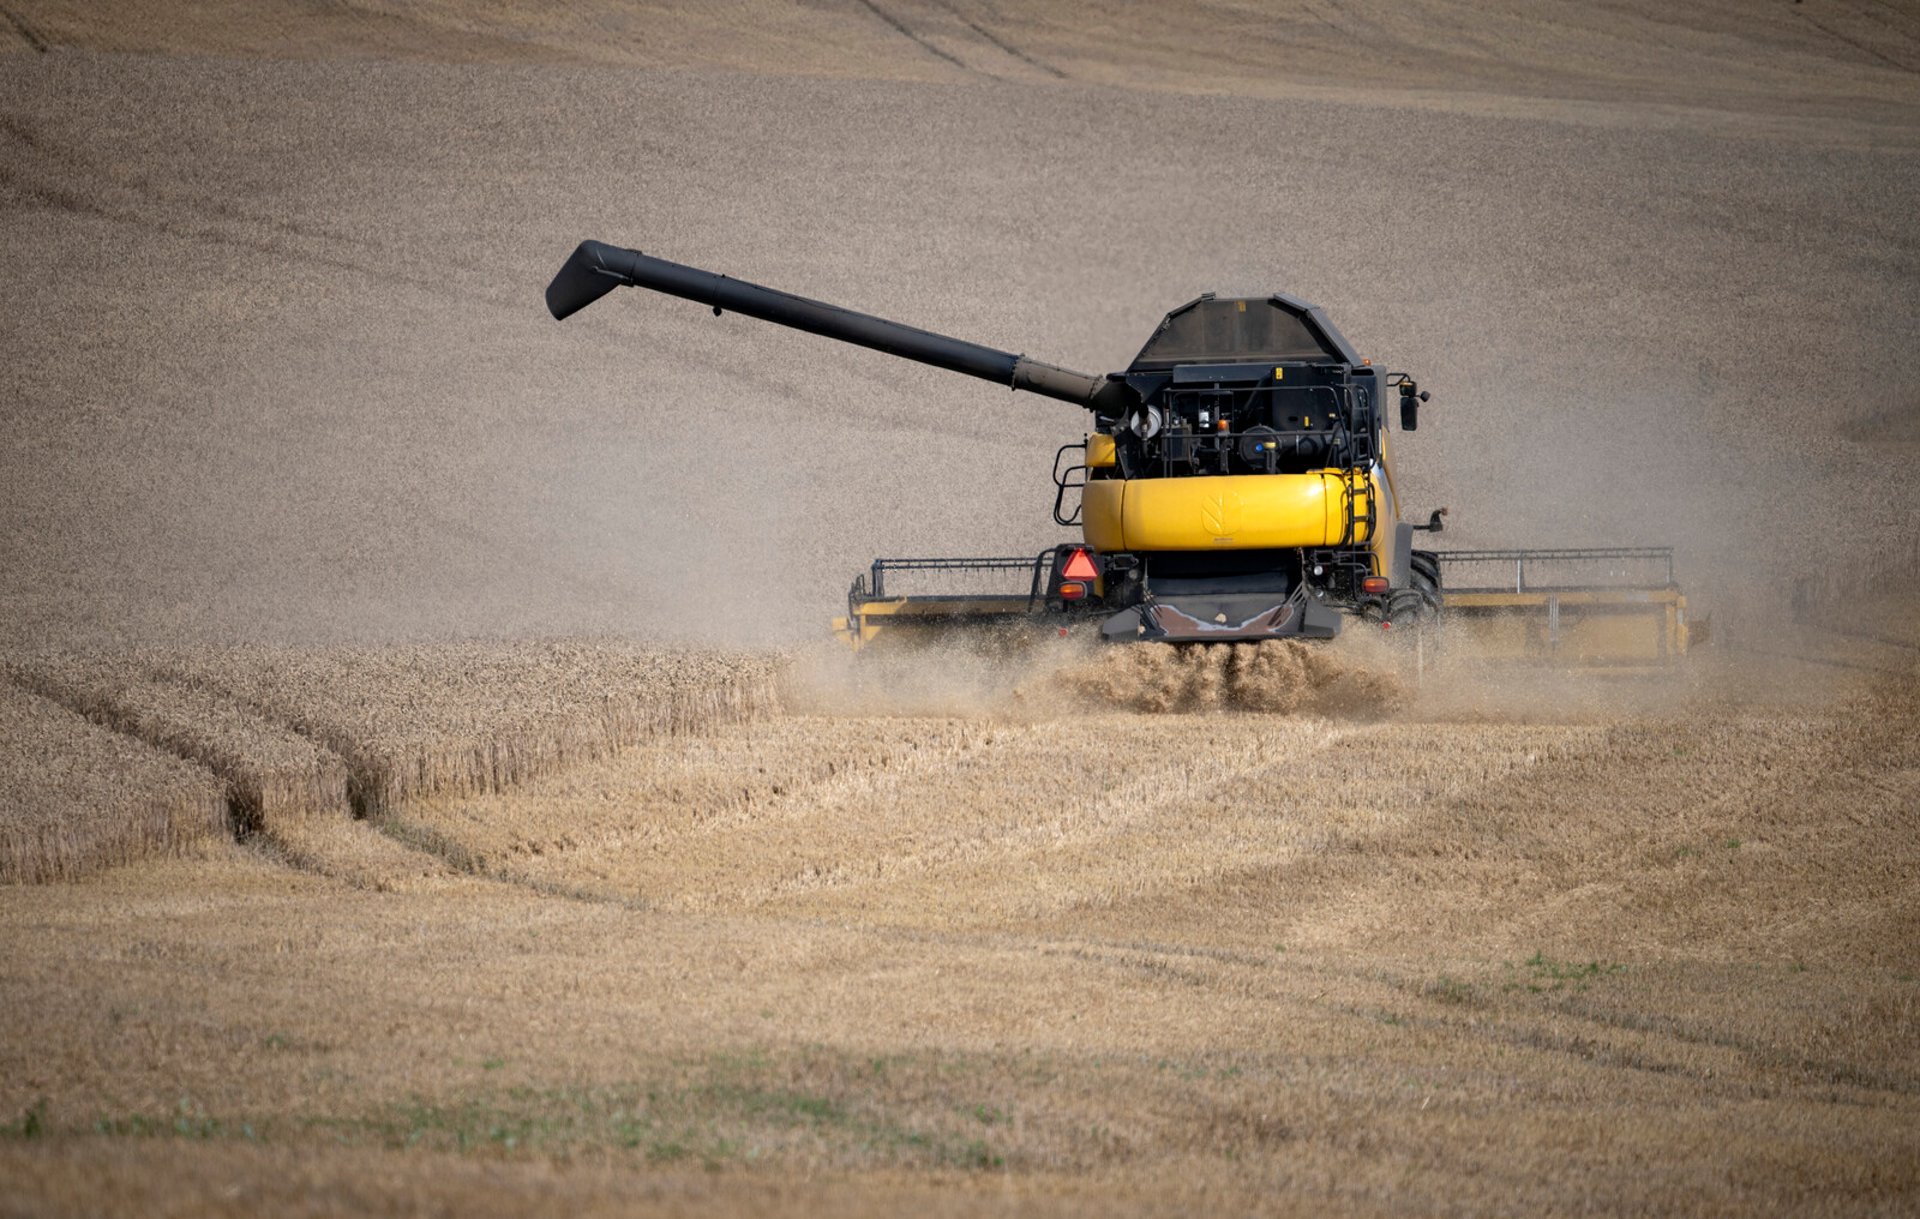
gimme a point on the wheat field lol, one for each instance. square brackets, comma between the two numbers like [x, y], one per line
[79, 796]
[425, 785]
[1040, 948]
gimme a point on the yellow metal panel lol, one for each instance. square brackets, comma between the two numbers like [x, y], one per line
[1383, 465]
[1386, 514]
[1608, 627]
[1501, 637]
[1235, 512]
[1617, 638]
[1099, 452]
[1100, 508]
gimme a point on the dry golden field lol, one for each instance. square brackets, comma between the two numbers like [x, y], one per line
[424, 788]
[1653, 949]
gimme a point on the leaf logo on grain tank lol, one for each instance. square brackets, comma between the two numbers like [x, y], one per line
[1220, 513]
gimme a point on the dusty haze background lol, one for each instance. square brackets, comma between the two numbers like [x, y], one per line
[276, 365]
[502, 924]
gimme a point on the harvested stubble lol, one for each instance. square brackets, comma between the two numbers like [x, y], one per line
[969, 822]
[697, 805]
[359, 853]
[76, 797]
[443, 719]
[1611, 831]
[274, 776]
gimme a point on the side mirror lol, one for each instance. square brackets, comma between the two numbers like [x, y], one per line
[1410, 406]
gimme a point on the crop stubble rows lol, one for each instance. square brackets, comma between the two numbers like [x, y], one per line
[1252, 951]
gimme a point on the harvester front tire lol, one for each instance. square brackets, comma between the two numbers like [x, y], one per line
[1417, 606]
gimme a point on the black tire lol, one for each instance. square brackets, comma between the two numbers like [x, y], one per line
[1426, 576]
[1418, 605]
[1414, 607]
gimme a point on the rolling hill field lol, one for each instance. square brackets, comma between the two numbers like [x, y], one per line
[425, 785]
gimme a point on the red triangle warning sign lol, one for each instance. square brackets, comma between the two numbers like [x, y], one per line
[1080, 567]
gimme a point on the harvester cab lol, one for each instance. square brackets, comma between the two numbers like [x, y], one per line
[1244, 491]
[1234, 483]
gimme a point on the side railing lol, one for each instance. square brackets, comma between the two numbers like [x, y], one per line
[871, 585]
[1561, 570]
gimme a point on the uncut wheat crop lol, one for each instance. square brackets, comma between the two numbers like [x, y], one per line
[422, 720]
[274, 776]
[75, 797]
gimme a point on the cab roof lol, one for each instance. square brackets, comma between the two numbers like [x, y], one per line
[1213, 330]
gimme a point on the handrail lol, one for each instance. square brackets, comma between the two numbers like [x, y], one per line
[1522, 558]
[872, 585]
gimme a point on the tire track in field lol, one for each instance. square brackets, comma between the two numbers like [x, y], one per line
[831, 805]
[1001, 43]
[1012, 852]
[1888, 18]
[1755, 1050]
[258, 807]
[78, 796]
[977, 49]
[1528, 1017]
[810, 788]
[1857, 44]
[1606, 1037]
[61, 179]
[242, 814]
[299, 815]
[27, 33]
[660, 813]
[908, 32]
[1313, 11]
[265, 810]
[1369, 783]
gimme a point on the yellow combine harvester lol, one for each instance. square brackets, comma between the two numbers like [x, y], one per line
[1235, 486]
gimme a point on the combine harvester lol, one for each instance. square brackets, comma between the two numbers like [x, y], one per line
[1235, 486]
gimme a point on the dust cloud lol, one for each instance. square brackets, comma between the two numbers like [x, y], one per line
[987, 676]
[1283, 675]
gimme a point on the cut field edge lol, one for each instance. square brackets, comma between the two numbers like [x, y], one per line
[242, 823]
[460, 860]
[177, 806]
[366, 788]
[323, 790]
